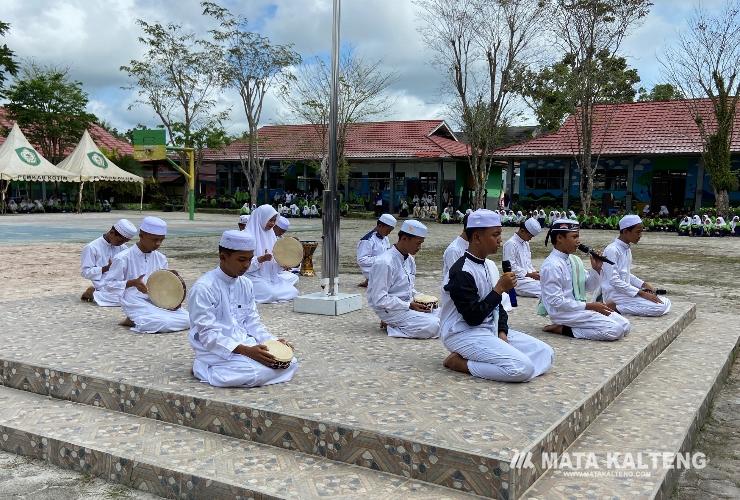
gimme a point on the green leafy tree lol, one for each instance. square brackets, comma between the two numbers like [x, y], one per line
[549, 92]
[50, 108]
[660, 92]
[704, 64]
[8, 65]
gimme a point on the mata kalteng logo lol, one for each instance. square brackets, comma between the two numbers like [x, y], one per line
[97, 159]
[648, 460]
[28, 155]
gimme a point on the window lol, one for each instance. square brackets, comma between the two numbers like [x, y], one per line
[543, 178]
[428, 182]
[610, 180]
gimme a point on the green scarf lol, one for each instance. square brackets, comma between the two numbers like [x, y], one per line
[578, 276]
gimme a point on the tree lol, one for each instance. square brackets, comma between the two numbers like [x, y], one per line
[590, 33]
[7, 62]
[50, 108]
[704, 64]
[253, 65]
[178, 78]
[660, 92]
[550, 92]
[479, 45]
[362, 96]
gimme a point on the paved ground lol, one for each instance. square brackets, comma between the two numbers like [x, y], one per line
[36, 264]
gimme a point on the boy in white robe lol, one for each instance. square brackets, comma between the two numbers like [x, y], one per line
[573, 317]
[630, 294]
[131, 270]
[97, 257]
[242, 224]
[227, 334]
[264, 273]
[474, 326]
[390, 291]
[454, 250]
[518, 252]
[280, 228]
[373, 244]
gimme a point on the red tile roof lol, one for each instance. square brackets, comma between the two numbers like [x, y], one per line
[391, 140]
[656, 127]
[102, 137]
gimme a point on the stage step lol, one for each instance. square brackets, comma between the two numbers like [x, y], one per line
[390, 406]
[659, 412]
[179, 462]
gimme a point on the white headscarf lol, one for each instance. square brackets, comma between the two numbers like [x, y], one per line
[720, 221]
[264, 239]
[696, 219]
[734, 222]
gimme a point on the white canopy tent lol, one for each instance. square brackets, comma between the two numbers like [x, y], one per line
[19, 161]
[87, 164]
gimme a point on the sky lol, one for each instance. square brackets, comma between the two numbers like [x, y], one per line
[93, 38]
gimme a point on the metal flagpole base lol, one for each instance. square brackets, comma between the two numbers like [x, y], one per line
[327, 305]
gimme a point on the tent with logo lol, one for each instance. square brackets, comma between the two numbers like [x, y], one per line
[87, 164]
[19, 161]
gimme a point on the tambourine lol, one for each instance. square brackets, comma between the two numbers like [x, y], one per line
[166, 289]
[429, 301]
[283, 354]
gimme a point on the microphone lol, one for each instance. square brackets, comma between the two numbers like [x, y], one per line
[583, 248]
[506, 266]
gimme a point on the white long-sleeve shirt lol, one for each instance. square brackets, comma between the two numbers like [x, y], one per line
[95, 256]
[557, 284]
[223, 314]
[368, 248]
[453, 252]
[391, 281]
[129, 265]
[517, 251]
[617, 279]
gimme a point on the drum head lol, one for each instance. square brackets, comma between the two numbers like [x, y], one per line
[166, 289]
[282, 352]
[288, 252]
[426, 299]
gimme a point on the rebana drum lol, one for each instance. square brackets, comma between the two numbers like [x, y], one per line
[430, 301]
[283, 353]
[166, 289]
[288, 252]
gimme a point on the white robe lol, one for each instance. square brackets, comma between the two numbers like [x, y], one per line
[268, 283]
[223, 315]
[517, 251]
[95, 256]
[619, 285]
[368, 248]
[452, 253]
[471, 319]
[390, 291]
[563, 308]
[147, 317]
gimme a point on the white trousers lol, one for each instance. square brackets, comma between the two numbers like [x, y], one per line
[290, 277]
[528, 287]
[411, 324]
[637, 306]
[149, 318]
[277, 290]
[591, 325]
[105, 298]
[520, 359]
[238, 370]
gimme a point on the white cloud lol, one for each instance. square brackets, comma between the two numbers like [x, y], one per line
[94, 38]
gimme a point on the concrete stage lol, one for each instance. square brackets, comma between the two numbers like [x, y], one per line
[382, 405]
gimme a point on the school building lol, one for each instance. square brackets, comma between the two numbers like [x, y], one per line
[648, 153]
[398, 159]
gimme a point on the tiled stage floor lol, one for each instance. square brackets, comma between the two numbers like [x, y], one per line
[350, 375]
